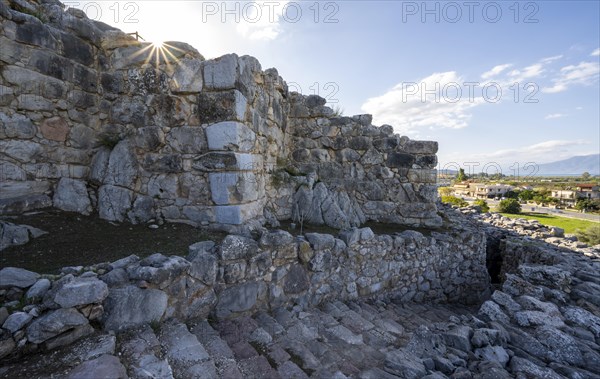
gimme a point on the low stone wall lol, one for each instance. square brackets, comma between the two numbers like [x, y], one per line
[236, 277]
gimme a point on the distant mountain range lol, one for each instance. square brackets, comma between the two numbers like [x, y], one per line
[572, 166]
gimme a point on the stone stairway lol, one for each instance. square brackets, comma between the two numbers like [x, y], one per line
[337, 340]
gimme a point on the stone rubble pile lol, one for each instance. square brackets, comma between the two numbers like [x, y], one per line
[534, 229]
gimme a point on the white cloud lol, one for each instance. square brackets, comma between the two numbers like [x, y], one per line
[260, 20]
[595, 53]
[551, 59]
[412, 106]
[496, 70]
[579, 108]
[585, 73]
[554, 115]
[527, 73]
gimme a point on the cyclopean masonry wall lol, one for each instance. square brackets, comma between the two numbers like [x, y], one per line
[236, 277]
[93, 120]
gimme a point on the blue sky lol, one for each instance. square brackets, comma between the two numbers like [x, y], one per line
[377, 57]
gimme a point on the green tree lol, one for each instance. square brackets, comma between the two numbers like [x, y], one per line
[591, 235]
[526, 195]
[445, 191]
[483, 205]
[509, 206]
[461, 176]
[512, 194]
[585, 176]
[588, 205]
[454, 201]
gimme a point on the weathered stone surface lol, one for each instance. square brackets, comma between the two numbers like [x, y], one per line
[404, 365]
[187, 77]
[233, 187]
[37, 291]
[71, 195]
[17, 321]
[17, 277]
[222, 106]
[237, 247]
[122, 166]
[320, 241]
[204, 267]
[227, 161]
[81, 291]
[235, 299]
[296, 280]
[221, 73]
[55, 129]
[54, 323]
[105, 366]
[23, 151]
[11, 234]
[230, 135]
[114, 202]
[188, 139]
[131, 306]
[16, 126]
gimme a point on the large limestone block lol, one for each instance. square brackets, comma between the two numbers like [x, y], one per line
[9, 189]
[71, 195]
[228, 105]
[122, 167]
[81, 291]
[16, 126]
[187, 77]
[187, 139]
[54, 323]
[132, 306]
[237, 214]
[221, 73]
[23, 151]
[236, 299]
[228, 161]
[420, 147]
[230, 135]
[17, 277]
[114, 202]
[233, 187]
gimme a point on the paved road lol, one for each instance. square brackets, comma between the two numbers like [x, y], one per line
[552, 211]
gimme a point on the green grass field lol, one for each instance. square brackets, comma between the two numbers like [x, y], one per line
[570, 225]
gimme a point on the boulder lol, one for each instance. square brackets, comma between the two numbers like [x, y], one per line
[404, 365]
[17, 277]
[17, 321]
[131, 306]
[237, 247]
[239, 298]
[81, 291]
[71, 195]
[105, 366]
[54, 323]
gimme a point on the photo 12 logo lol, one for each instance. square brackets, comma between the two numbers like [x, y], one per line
[328, 90]
[453, 12]
[517, 170]
[125, 12]
[454, 92]
[269, 11]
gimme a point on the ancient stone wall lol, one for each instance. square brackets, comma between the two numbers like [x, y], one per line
[93, 120]
[239, 276]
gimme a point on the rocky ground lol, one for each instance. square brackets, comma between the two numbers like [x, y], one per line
[542, 321]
